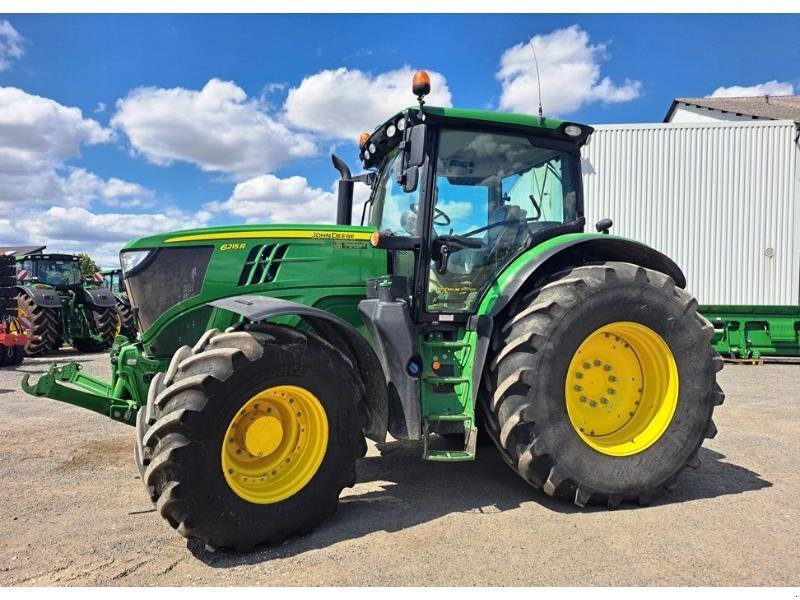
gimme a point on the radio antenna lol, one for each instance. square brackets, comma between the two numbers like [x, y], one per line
[538, 82]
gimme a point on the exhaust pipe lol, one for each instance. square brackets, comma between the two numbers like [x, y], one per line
[344, 207]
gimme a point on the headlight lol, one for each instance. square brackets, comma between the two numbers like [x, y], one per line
[572, 130]
[131, 258]
[401, 124]
[372, 149]
[391, 130]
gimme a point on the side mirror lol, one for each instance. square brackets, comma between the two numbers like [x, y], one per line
[416, 141]
[414, 158]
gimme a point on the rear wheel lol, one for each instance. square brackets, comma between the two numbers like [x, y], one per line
[603, 385]
[103, 323]
[250, 436]
[44, 325]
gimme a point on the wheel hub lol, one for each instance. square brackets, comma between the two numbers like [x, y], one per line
[263, 435]
[274, 445]
[621, 388]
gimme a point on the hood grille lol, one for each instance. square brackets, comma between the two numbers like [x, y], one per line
[262, 264]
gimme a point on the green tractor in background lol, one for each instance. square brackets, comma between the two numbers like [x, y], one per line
[111, 279]
[470, 297]
[60, 307]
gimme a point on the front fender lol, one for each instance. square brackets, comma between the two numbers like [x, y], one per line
[338, 333]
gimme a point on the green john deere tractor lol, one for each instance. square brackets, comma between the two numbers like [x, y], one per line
[112, 280]
[470, 297]
[53, 297]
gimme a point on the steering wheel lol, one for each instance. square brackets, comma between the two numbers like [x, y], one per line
[437, 212]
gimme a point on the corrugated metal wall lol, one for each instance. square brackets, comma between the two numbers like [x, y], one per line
[723, 200]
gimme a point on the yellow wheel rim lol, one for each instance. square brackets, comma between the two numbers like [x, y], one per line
[274, 445]
[622, 388]
[118, 325]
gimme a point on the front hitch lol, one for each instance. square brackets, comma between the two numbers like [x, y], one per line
[88, 392]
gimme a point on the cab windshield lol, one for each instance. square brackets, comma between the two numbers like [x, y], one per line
[57, 273]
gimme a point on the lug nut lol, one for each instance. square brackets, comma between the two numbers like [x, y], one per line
[592, 403]
[612, 391]
[607, 368]
[587, 365]
[611, 378]
[578, 388]
[579, 375]
[604, 400]
[597, 362]
[583, 398]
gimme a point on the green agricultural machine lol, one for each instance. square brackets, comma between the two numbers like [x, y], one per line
[469, 299]
[112, 279]
[61, 307]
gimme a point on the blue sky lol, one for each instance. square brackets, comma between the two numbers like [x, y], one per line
[150, 152]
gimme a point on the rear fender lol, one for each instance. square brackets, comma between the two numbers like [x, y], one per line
[46, 297]
[338, 333]
[556, 255]
[101, 297]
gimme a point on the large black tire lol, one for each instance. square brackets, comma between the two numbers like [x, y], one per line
[127, 324]
[525, 399]
[181, 431]
[103, 320]
[44, 326]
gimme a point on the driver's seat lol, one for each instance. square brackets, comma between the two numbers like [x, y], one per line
[504, 237]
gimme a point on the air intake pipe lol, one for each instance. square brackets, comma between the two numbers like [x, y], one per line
[344, 207]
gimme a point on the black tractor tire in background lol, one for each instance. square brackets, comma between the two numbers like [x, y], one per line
[103, 320]
[181, 431]
[127, 324]
[45, 326]
[524, 398]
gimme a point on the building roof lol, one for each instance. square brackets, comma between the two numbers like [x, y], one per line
[20, 250]
[761, 107]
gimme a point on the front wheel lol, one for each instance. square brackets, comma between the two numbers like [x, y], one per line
[250, 436]
[603, 384]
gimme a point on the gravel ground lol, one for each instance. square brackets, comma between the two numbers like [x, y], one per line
[74, 512]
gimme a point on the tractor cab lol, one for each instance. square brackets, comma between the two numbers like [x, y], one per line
[112, 280]
[457, 196]
[60, 271]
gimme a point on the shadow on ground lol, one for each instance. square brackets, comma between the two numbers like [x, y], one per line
[415, 492]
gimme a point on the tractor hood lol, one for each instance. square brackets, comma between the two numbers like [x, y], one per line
[236, 234]
[171, 277]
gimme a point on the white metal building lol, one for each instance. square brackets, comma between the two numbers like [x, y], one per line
[722, 198]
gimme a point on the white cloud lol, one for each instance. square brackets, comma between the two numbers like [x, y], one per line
[570, 69]
[10, 45]
[101, 108]
[771, 88]
[36, 131]
[37, 136]
[342, 103]
[216, 128]
[76, 229]
[271, 199]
